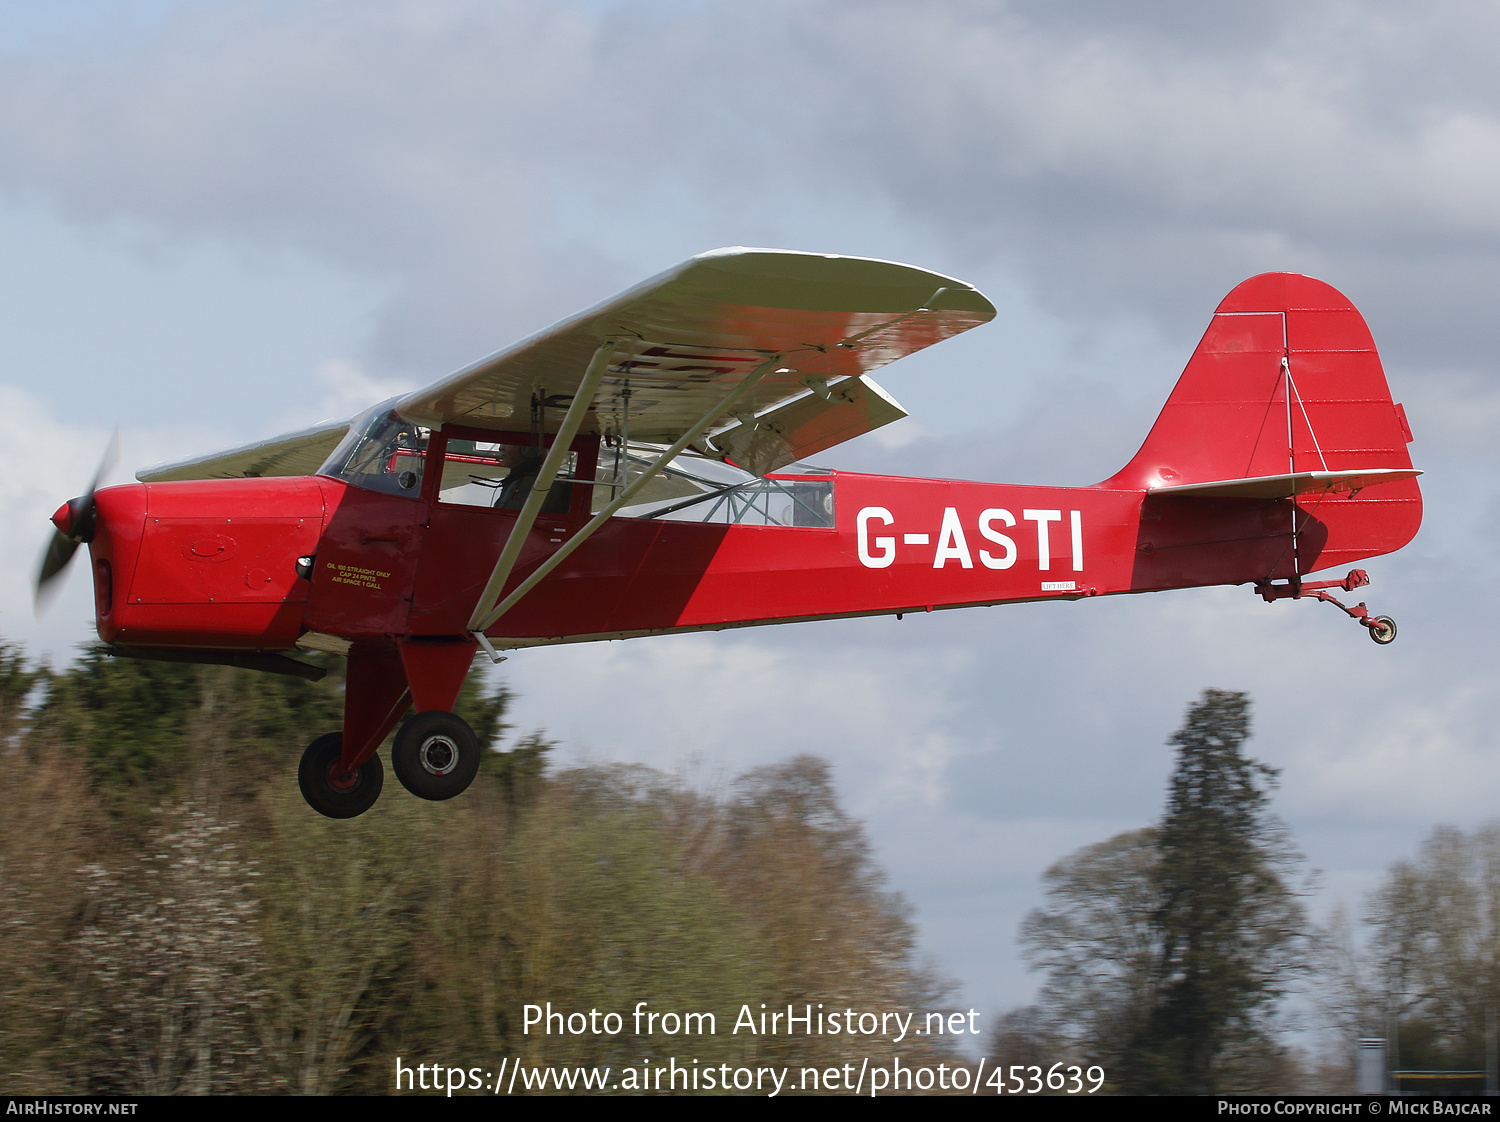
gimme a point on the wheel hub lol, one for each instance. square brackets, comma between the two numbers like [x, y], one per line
[438, 755]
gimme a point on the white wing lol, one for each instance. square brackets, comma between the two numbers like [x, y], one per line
[684, 338]
[681, 341]
[296, 453]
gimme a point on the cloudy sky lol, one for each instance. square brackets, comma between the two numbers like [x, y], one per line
[221, 219]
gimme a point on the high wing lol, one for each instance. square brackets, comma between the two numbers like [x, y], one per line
[296, 453]
[675, 345]
[682, 339]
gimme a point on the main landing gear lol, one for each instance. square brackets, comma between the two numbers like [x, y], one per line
[1382, 628]
[328, 788]
[436, 756]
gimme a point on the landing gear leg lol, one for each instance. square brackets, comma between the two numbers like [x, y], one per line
[1382, 628]
[329, 787]
[436, 755]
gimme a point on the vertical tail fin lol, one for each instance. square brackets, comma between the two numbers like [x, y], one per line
[1286, 379]
[1279, 452]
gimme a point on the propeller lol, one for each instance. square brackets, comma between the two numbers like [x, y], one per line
[75, 526]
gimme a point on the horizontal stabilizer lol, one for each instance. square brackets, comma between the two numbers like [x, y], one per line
[1285, 486]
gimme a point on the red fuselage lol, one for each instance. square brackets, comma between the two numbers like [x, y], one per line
[213, 564]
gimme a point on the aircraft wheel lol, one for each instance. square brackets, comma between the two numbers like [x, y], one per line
[436, 755]
[338, 797]
[1384, 630]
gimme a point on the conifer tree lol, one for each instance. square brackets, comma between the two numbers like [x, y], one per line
[1167, 948]
[1226, 925]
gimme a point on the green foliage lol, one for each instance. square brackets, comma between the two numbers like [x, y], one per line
[49, 829]
[339, 912]
[143, 725]
[517, 774]
[482, 708]
[130, 717]
[16, 679]
[177, 920]
[583, 902]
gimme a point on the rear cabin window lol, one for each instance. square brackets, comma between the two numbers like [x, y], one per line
[698, 489]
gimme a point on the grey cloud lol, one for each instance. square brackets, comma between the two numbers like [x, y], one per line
[1123, 161]
[1120, 170]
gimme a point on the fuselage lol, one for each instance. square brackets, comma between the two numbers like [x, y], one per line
[257, 563]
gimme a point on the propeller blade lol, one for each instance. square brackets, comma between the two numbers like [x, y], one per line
[60, 551]
[80, 528]
[106, 465]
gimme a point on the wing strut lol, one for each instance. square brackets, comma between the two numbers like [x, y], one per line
[572, 421]
[484, 617]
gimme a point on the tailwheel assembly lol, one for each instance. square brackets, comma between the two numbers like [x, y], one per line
[1382, 628]
[436, 755]
[330, 788]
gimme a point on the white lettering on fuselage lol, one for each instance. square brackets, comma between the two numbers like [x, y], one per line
[886, 546]
[1043, 546]
[953, 545]
[987, 528]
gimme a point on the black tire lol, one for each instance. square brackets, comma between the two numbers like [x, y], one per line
[1384, 630]
[328, 797]
[436, 755]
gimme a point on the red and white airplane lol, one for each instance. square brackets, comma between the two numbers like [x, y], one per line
[639, 469]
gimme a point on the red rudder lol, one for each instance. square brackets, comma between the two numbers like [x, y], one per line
[1284, 354]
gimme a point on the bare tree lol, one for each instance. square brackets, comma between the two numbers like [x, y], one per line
[1433, 965]
[1096, 939]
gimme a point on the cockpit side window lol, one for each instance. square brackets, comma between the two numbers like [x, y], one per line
[499, 474]
[387, 455]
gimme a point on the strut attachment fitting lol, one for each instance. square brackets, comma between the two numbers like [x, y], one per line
[1382, 628]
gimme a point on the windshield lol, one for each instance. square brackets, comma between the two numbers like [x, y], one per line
[386, 455]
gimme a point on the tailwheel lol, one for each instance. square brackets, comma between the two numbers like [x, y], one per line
[331, 791]
[1382, 628]
[436, 755]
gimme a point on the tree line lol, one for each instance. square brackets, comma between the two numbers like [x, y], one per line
[176, 921]
[1167, 952]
